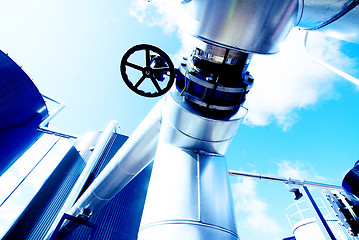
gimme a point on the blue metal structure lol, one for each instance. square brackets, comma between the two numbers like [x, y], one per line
[22, 109]
[119, 219]
[36, 219]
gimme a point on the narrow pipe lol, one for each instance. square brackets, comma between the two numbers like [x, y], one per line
[284, 180]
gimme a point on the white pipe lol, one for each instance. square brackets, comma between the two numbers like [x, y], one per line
[91, 163]
[137, 152]
[189, 195]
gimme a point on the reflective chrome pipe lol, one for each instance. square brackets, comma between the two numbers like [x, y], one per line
[257, 26]
[253, 26]
[338, 19]
[189, 195]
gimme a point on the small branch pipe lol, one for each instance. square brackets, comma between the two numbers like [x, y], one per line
[285, 180]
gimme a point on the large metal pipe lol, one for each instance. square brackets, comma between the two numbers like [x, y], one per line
[189, 195]
[339, 19]
[258, 26]
[254, 26]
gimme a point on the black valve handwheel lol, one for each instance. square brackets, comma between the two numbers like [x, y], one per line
[149, 72]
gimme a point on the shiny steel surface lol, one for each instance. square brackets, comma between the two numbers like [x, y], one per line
[317, 13]
[187, 129]
[253, 26]
[180, 230]
[188, 197]
[339, 19]
[216, 197]
[190, 122]
[173, 190]
[136, 153]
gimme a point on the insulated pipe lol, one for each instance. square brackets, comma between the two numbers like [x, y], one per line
[338, 19]
[257, 26]
[189, 195]
[253, 26]
[136, 153]
[83, 146]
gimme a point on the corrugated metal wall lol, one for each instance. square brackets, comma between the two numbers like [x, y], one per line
[35, 221]
[22, 109]
[118, 219]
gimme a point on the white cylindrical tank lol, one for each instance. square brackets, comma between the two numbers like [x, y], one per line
[305, 226]
[308, 229]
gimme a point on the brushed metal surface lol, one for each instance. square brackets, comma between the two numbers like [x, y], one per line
[179, 230]
[318, 12]
[173, 189]
[136, 153]
[253, 26]
[188, 197]
[339, 19]
[192, 123]
[216, 203]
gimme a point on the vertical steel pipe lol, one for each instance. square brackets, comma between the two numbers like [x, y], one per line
[189, 195]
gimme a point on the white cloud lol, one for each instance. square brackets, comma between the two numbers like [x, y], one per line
[253, 211]
[163, 13]
[298, 170]
[290, 80]
[170, 16]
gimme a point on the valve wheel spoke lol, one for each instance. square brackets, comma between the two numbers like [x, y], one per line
[157, 64]
[140, 81]
[157, 86]
[135, 66]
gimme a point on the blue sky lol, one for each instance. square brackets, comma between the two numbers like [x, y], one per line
[302, 120]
